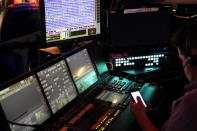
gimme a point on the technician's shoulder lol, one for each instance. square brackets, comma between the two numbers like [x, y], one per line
[190, 98]
[184, 113]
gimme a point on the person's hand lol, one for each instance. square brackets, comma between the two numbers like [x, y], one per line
[138, 108]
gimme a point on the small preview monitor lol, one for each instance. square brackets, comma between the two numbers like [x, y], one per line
[24, 103]
[70, 19]
[57, 85]
[82, 70]
[110, 96]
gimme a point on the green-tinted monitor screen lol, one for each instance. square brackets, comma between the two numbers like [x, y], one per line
[82, 70]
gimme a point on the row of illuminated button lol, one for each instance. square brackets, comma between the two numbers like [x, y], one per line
[112, 114]
[118, 85]
[108, 119]
[125, 64]
[126, 61]
[140, 57]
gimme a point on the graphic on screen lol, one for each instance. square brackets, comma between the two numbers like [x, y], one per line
[58, 86]
[82, 70]
[23, 102]
[68, 19]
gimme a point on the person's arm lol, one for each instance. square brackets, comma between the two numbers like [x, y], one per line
[138, 111]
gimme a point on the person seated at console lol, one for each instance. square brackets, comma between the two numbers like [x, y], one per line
[184, 110]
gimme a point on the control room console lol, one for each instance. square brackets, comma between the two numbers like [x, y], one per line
[71, 92]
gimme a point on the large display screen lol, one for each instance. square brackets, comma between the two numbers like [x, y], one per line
[82, 70]
[57, 85]
[140, 28]
[24, 103]
[71, 19]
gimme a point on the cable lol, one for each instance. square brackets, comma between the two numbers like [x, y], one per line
[158, 78]
[112, 4]
[164, 80]
[42, 126]
[29, 125]
[111, 65]
[186, 17]
[126, 76]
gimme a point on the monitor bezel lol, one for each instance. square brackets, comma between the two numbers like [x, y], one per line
[69, 42]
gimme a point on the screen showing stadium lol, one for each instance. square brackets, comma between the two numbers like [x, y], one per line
[82, 70]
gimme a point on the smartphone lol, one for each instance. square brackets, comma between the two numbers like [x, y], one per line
[134, 96]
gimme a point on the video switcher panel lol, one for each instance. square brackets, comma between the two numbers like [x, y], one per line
[100, 107]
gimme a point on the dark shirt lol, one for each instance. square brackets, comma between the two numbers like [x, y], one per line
[184, 111]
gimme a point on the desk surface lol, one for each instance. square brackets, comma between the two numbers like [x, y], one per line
[125, 122]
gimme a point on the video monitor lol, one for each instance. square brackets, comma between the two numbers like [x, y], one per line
[82, 70]
[24, 103]
[70, 19]
[140, 27]
[57, 85]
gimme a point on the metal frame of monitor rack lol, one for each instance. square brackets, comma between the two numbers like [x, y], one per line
[68, 42]
[36, 70]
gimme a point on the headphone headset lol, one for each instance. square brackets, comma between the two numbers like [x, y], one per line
[192, 60]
